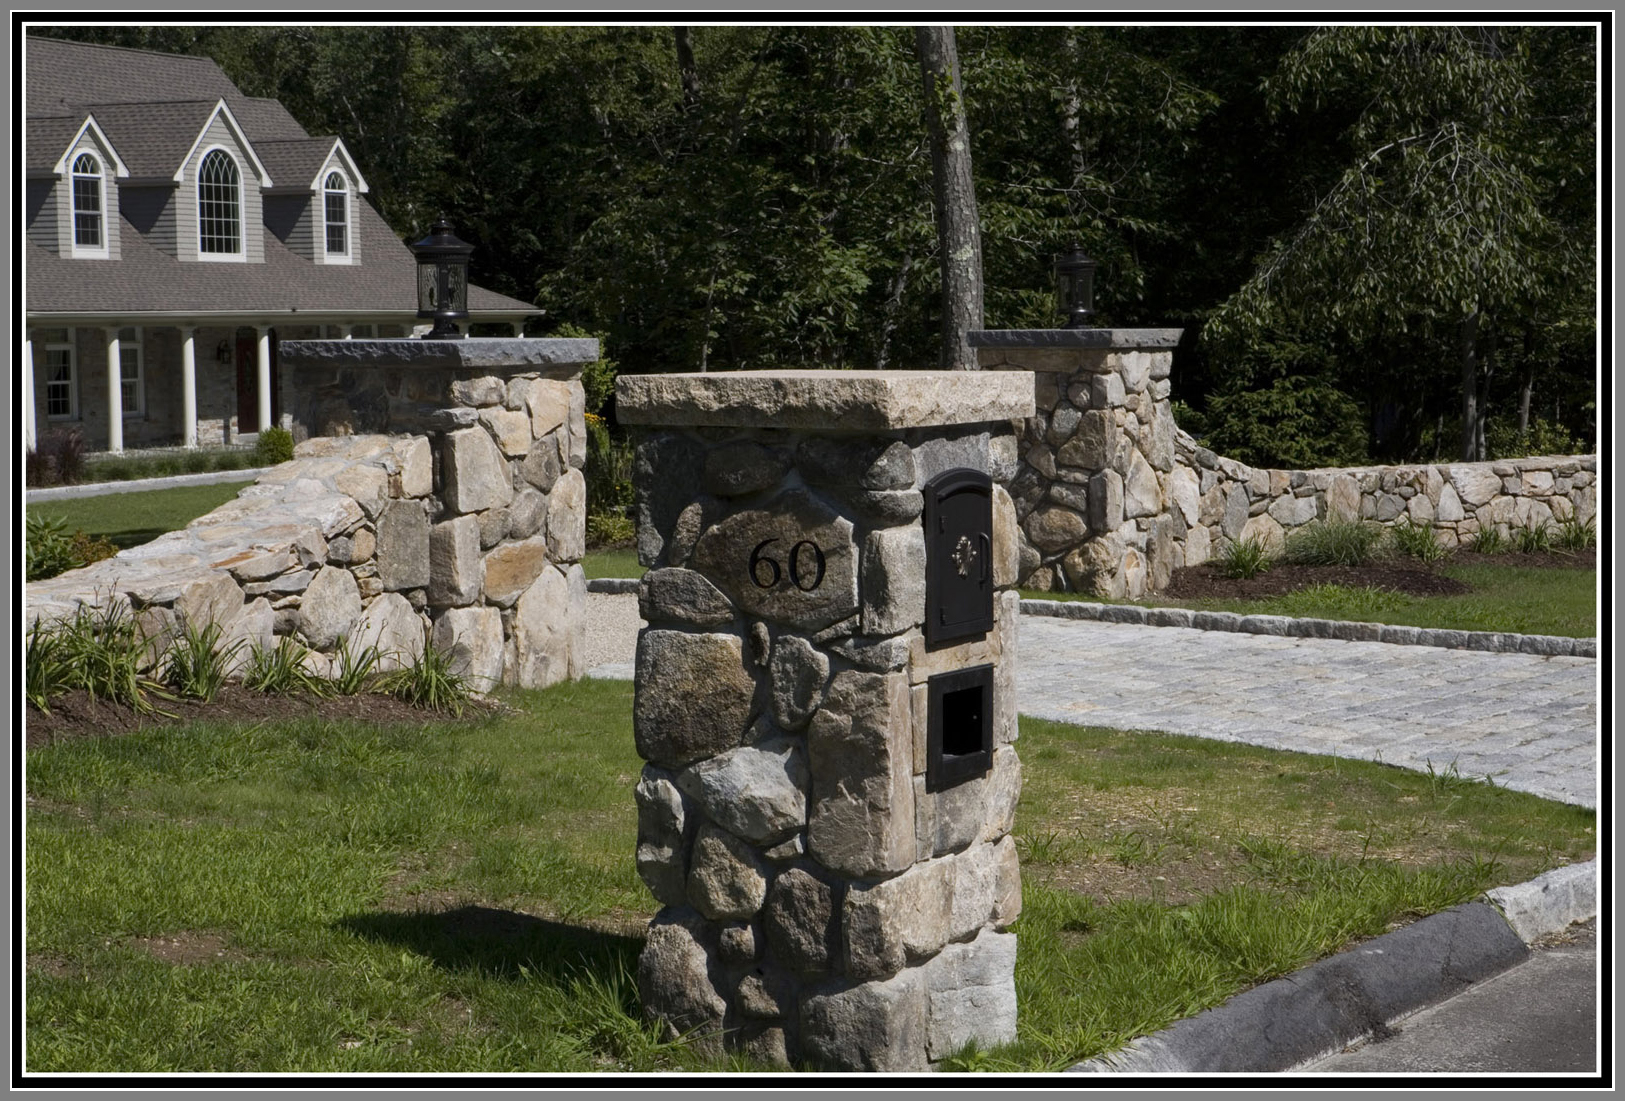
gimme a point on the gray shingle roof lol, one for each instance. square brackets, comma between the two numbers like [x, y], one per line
[147, 280]
[47, 137]
[294, 163]
[152, 138]
[70, 74]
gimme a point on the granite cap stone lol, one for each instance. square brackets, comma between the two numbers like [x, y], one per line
[1074, 338]
[845, 401]
[542, 354]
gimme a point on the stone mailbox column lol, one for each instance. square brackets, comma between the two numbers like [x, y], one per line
[829, 898]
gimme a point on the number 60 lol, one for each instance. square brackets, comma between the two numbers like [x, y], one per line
[760, 562]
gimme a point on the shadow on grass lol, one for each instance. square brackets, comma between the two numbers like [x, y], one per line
[135, 537]
[499, 943]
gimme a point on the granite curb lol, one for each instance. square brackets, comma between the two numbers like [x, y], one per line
[139, 485]
[615, 586]
[1347, 631]
[1328, 1005]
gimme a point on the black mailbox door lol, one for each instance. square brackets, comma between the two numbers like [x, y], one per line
[958, 556]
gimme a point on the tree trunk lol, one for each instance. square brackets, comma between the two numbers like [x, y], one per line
[1527, 390]
[894, 303]
[1469, 387]
[959, 237]
[685, 67]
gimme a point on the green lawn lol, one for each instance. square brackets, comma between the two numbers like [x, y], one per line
[1524, 600]
[309, 896]
[130, 519]
[612, 563]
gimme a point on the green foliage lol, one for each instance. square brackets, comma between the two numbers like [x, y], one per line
[608, 471]
[598, 377]
[1418, 541]
[1490, 540]
[1543, 437]
[1244, 558]
[49, 548]
[283, 670]
[59, 459]
[606, 530]
[1534, 539]
[275, 446]
[1572, 535]
[46, 670]
[1297, 423]
[160, 464]
[1334, 543]
[105, 653]
[428, 682]
[354, 669]
[196, 663]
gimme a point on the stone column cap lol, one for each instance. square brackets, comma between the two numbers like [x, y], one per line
[562, 355]
[1074, 338]
[832, 400]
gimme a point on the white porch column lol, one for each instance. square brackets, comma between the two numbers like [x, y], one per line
[349, 332]
[263, 377]
[115, 394]
[189, 387]
[30, 434]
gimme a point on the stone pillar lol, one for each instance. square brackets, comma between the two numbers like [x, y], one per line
[189, 386]
[484, 529]
[827, 897]
[115, 394]
[1097, 458]
[262, 376]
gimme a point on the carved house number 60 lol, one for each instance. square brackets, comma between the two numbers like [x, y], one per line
[760, 563]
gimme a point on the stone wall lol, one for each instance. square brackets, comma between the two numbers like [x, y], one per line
[467, 535]
[819, 904]
[1113, 496]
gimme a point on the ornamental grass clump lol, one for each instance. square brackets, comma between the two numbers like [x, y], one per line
[355, 669]
[1334, 543]
[428, 682]
[1490, 540]
[1575, 536]
[197, 665]
[1418, 541]
[283, 671]
[1244, 558]
[1534, 539]
[103, 653]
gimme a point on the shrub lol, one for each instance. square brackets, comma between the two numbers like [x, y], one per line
[49, 548]
[275, 446]
[1534, 539]
[1489, 540]
[62, 456]
[1575, 536]
[282, 671]
[1297, 423]
[1417, 541]
[608, 470]
[427, 682]
[92, 548]
[1542, 437]
[197, 665]
[605, 532]
[354, 669]
[1334, 543]
[1244, 558]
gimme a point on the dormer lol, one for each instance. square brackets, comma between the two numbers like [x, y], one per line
[73, 207]
[219, 213]
[314, 208]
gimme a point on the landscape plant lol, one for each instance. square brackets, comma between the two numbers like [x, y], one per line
[275, 445]
[46, 670]
[428, 682]
[102, 651]
[196, 665]
[1244, 558]
[1533, 539]
[354, 670]
[1572, 535]
[48, 547]
[1417, 541]
[1334, 543]
[283, 669]
[1489, 539]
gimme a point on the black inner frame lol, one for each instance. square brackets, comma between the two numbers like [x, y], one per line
[959, 726]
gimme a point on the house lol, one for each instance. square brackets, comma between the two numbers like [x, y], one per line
[180, 229]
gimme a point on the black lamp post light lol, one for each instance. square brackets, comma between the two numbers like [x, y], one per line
[1076, 273]
[442, 280]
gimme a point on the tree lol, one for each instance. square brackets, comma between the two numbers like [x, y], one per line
[1456, 213]
[959, 236]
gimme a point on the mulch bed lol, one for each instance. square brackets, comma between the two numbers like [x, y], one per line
[1208, 582]
[76, 715]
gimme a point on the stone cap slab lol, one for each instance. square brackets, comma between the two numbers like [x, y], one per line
[552, 355]
[837, 401]
[1074, 338]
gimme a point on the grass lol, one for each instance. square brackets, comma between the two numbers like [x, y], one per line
[309, 896]
[611, 563]
[1334, 543]
[163, 464]
[1244, 558]
[1517, 599]
[130, 519]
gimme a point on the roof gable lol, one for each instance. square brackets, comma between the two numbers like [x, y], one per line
[302, 166]
[222, 112]
[100, 139]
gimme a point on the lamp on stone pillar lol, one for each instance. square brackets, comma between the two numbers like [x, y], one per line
[442, 280]
[1076, 272]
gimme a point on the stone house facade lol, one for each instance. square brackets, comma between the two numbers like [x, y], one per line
[182, 230]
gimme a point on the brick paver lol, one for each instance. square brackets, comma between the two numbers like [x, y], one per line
[1528, 722]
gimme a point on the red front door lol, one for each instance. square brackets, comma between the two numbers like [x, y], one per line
[248, 392]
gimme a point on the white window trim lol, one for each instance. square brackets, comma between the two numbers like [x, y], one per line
[68, 346]
[349, 218]
[137, 408]
[88, 252]
[241, 255]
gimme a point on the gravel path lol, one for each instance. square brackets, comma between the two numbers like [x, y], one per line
[612, 634]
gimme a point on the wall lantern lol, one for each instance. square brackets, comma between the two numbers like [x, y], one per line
[1076, 272]
[442, 281]
[222, 354]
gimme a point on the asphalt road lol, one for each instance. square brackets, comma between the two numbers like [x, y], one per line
[1539, 1017]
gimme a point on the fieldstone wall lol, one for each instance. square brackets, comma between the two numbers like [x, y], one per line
[1113, 496]
[467, 536]
[819, 905]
